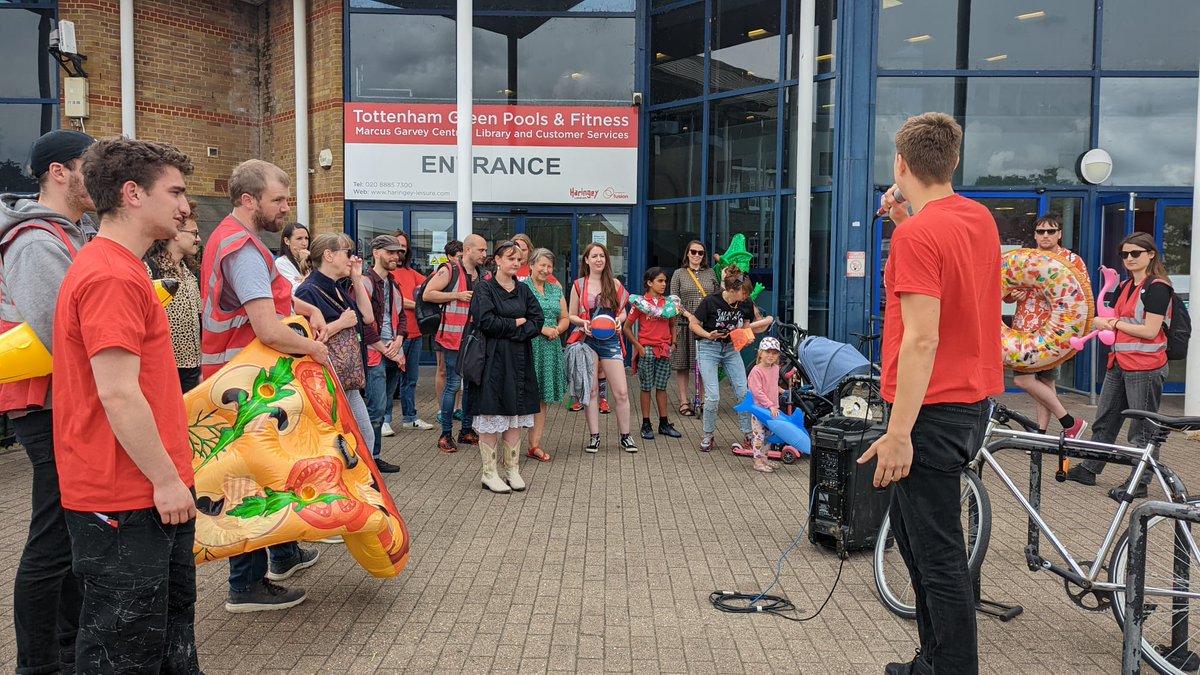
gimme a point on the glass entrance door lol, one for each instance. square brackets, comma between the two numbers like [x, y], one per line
[555, 233]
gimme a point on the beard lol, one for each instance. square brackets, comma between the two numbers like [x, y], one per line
[262, 223]
[77, 194]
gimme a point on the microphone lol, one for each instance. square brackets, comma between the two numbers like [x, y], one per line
[899, 200]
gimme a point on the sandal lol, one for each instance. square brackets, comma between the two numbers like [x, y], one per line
[538, 454]
[686, 410]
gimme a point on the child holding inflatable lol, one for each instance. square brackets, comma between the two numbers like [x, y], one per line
[763, 383]
[653, 342]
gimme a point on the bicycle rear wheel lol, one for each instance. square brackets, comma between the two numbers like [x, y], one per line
[891, 574]
[1171, 631]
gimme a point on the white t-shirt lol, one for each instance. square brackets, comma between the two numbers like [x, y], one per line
[289, 271]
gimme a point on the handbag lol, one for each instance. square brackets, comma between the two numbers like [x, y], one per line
[471, 354]
[345, 354]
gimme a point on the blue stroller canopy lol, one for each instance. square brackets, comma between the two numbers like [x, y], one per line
[828, 362]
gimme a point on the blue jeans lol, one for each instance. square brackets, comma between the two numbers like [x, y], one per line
[408, 380]
[453, 384]
[710, 355]
[382, 381]
[249, 569]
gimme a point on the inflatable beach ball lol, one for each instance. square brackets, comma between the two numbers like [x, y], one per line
[603, 327]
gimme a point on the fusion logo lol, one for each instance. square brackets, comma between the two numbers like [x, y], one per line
[610, 193]
[581, 193]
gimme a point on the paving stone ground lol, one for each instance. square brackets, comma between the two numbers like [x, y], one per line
[605, 565]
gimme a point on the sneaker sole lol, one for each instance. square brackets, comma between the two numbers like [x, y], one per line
[630, 449]
[274, 576]
[592, 450]
[247, 607]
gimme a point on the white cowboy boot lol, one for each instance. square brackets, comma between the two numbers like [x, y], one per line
[512, 460]
[491, 480]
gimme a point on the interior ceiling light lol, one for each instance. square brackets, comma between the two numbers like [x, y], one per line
[660, 56]
[919, 38]
[757, 33]
[1031, 15]
[576, 76]
[1006, 208]
[998, 57]
[750, 117]
[888, 4]
[824, 57]
[827, 106]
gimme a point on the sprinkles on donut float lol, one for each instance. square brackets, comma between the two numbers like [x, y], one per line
[1067, 293]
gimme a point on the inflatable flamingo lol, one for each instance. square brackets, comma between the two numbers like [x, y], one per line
[1102, 310]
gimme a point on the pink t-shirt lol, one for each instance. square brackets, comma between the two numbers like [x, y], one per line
[763, 383]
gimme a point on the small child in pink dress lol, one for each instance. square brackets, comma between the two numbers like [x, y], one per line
[763, 383]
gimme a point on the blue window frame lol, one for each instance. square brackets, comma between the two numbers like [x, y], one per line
[28, 88]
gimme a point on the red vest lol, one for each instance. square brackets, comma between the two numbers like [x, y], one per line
[225, 333]
[1132, 353]
[454, 321]
[30, 393]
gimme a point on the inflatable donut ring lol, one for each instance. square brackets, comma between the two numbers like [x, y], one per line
[1064, 290]
[668, 310]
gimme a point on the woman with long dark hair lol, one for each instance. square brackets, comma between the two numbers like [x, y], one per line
[1137, 364]
[692, 282]
[292, 262]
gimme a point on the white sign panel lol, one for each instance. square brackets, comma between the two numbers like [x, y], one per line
[524, 154]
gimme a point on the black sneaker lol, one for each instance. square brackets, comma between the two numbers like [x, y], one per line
[647, 430]
[282, 570]
[627, 443]
[446, 443]
[917, 666]
[1117, 494]
[265, 597]
[468, 436]
[1081, 475]
[669, 429]
[386, 466]
[593, 443]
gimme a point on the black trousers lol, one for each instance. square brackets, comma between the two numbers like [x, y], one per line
[926, 519]
[139, 593]
[46, 594]
[189, 378]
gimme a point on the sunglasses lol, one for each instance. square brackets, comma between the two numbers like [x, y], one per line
[1133, 254]
[1042, 232]
[695, 252]
[504, 247]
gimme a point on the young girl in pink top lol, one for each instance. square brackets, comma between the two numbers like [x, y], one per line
[763, 383]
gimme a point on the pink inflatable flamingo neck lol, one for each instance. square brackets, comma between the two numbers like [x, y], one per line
[1103, 310]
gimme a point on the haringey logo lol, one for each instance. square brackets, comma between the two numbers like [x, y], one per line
[582, 193]
[610, 193]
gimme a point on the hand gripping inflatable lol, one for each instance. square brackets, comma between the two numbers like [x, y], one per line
[278, 458]
[23, 356]
[737, 256]
[785, 429]
[1102, 310]
[1064, 290]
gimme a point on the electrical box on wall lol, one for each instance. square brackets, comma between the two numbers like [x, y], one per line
[75, 97]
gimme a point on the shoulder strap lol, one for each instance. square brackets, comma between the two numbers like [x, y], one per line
[703, 293]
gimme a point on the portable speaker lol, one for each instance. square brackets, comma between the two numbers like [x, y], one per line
[847, 509]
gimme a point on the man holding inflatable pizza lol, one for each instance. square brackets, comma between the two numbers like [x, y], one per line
[1031, 312]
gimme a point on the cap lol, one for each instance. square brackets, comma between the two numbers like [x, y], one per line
[386, 242]
[60, 145]
[769, 344]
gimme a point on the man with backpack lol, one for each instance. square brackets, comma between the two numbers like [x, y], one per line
[385, 358]
[39, 238]
[451, 286]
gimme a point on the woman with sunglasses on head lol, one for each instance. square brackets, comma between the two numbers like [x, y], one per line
[1137, 364]
[506, 313]
[691, 283]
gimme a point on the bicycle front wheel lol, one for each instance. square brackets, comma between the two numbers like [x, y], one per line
[891, 574]
[1171, 632]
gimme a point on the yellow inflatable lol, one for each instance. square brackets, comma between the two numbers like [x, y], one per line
[1065, 306]
[279, 458]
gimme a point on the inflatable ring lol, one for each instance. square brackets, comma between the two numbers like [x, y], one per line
[668, 310]
[1064, 290]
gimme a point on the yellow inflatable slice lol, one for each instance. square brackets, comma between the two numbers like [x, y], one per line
[278, 458]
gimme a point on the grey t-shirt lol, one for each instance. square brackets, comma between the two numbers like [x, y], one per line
[246, 278]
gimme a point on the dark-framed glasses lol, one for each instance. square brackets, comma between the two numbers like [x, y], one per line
[1135, 254]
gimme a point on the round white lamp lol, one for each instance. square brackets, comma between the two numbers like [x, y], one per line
[1094, 166]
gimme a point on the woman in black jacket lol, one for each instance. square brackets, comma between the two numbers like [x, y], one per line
[508, 317]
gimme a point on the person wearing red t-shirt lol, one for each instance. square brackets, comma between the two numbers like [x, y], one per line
[941, 362]
[408, 279]
[653, 343]
[127, 494]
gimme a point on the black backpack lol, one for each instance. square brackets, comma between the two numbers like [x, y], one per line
[429, 314]
[1180, 330]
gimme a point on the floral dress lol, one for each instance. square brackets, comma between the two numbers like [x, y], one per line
[548, 354]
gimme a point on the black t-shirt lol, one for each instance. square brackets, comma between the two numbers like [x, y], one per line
[1156, 297]
[715, 314]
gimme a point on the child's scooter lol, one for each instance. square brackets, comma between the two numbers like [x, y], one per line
[788, 439]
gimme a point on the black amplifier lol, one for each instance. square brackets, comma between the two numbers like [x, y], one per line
[847, 510]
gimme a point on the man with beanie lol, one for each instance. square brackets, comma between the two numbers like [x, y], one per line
[39, 238]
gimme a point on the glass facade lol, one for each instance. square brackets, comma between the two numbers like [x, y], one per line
[28, 89]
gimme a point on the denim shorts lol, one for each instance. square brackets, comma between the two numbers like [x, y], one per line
[606, 350]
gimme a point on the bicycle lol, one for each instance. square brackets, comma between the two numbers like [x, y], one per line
[1171, 552]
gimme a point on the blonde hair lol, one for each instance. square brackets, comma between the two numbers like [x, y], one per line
[329, 241]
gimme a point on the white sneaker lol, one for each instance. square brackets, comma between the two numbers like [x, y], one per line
[386, 430]
[418, 424]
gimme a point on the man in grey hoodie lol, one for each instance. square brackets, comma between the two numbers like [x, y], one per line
[38, 240]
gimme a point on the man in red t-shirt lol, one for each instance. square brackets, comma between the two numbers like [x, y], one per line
[941, 361]
[127, 494]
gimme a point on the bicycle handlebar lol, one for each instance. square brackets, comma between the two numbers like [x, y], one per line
[1002, 414]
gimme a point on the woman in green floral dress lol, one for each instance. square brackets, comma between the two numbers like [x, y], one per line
[547, 347]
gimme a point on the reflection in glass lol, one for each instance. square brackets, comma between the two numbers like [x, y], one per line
[1148, 125]
[1012, 219]
[1017, 131]
[742, 156]
[745, 44]
[20, 126]
[824, 118]
[826, 19]
[612, 230]
[755, 218]
[502, 5]
[494, 228]
[675, 152]
[1070, 210]
[818, 274]
[671, 227]
[918, 35]
[1159, 36]
[371, 224]
[1177, 251]
[1014, 34]
[28, 69]
[554, 233]
[677, 54]
[431, 231]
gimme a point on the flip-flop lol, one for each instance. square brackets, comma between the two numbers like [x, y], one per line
[538, 454]
[686, 410]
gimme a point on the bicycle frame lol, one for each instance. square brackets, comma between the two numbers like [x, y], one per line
[1001, 438]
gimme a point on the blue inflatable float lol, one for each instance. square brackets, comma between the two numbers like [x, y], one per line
[785, 429]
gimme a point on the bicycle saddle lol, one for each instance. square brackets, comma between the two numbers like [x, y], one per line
[1165, 421]
[866, 338]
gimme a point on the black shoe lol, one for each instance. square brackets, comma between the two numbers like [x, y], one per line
[593, 444]
[1117, 494]
[264, 598]
[647, 430]
[279, 571]
[627, 443]
[1081, 475]
[468, 436]
[914, 667]
[386, 466]
[446, 443]
[669, 429]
